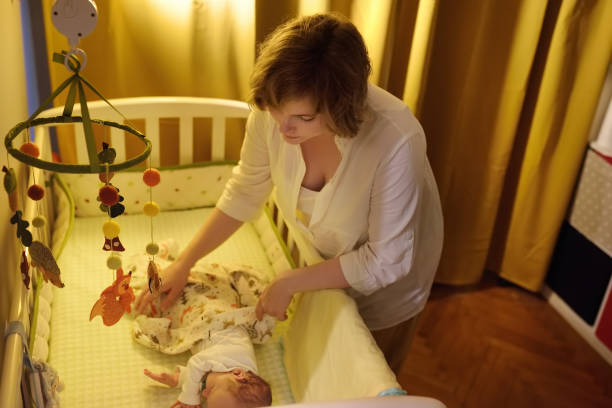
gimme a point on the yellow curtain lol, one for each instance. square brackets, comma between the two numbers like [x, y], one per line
[507, 99]
[505, 91]
[165, 47]
[573, 74]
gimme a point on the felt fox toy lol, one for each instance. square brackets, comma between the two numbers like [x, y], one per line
[115, 300]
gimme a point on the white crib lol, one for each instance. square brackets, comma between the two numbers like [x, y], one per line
[321, 368]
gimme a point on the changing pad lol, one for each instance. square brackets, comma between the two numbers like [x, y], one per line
[101, 366]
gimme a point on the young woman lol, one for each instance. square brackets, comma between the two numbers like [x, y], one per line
[349, 164]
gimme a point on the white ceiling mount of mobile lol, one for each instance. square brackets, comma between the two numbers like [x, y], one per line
[74, 18]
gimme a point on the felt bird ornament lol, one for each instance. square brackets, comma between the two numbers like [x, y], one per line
[42, 257]
[154, 279]
[22, 228]
[115, 300]
[107, 154]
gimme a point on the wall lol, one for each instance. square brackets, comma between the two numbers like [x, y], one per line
[14, 109]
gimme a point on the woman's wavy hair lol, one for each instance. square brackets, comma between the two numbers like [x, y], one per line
[321, 56]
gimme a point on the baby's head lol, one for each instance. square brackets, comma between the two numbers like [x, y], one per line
[237, 388]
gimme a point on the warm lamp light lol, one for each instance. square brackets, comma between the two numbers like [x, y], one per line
[177, 10]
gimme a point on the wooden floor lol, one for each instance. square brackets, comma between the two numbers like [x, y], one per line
[496, 345]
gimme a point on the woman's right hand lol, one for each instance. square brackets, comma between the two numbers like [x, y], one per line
[173, 280]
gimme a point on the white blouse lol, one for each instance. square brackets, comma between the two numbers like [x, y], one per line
[305, 205]
[380, 213]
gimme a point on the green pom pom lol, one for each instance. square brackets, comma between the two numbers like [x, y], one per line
[113, 262]
[152, 248]
[39, 221]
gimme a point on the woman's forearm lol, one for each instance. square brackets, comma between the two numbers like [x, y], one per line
[276, 297]
[215, 230]
[324, 275]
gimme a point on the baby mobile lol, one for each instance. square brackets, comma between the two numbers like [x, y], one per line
[76, 19]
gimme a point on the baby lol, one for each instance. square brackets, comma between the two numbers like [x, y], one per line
[224, 372]
[214, 318]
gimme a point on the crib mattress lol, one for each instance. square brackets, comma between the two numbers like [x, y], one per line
[101, 366]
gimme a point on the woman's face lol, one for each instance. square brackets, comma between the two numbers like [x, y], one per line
[298, 121]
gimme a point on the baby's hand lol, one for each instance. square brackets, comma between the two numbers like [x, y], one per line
[169, 379]
[179, 404]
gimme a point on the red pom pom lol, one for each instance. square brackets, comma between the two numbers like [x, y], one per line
[30, 149]
[36, 192]
[102, 177]
[151, 177]
[108, 195]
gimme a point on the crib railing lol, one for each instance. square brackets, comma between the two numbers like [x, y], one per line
[152, 110]
[298, 251]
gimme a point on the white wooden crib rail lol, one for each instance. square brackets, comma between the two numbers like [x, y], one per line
[297, 250]
[152, 109]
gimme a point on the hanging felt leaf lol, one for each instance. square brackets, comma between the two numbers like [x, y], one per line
[10, 181]
[42, 257]
[10, 185]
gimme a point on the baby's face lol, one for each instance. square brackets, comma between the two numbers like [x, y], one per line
[219, 389]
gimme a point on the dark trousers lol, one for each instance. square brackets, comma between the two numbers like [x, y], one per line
[395, 342]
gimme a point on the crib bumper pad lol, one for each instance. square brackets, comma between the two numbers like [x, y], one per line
[325, 343]
[40, 347]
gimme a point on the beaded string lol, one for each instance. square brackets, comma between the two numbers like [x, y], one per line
[151, 178]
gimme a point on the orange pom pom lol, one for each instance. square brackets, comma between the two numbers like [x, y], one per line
[102, 177]
[36, 192]
[30, 149]
[108, 195]
[151, 177]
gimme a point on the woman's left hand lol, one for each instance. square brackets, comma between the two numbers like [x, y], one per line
[275, 298]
